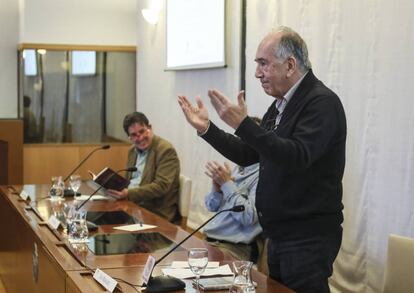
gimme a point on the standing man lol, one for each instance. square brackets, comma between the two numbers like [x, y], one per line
[301, 150]
[155, 185]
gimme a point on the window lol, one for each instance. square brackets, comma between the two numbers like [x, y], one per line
[76, 95]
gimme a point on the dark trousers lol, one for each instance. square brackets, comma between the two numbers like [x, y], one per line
[304, 264]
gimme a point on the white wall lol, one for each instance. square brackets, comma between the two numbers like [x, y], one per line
[158, 90]
[9, 35]
[76, 22]
[97, 22]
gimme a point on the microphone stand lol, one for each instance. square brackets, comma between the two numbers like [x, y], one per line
[168, 283]
[131, 169]
[69, 192]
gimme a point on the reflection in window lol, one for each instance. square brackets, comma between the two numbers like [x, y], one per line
[83, 63]
[30, 64]
[76, 96]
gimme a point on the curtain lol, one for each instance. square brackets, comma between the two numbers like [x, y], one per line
[362, 50]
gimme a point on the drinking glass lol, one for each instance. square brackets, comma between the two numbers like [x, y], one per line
[69, 211]
[75, 183]
[78, 230]
[242, 282]
[58, 212]
[57, 188]
[197, 260]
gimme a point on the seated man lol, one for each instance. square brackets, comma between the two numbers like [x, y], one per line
[234, 232]
[155, 185]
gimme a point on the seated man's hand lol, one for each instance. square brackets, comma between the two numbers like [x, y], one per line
[219, 173]
[117, 194]
[216, 186]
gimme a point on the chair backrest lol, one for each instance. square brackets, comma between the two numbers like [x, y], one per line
[400, 262]
[185, 195]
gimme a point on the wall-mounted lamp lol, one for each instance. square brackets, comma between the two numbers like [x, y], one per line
[41, 51]
[151, 15]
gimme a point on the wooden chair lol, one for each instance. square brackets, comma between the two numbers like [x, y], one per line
[185, 198]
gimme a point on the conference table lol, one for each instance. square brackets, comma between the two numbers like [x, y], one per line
[35, 257]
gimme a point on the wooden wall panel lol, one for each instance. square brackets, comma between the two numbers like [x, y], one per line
[51, 276]
[42, 161]
[4, 162]
[11, 131]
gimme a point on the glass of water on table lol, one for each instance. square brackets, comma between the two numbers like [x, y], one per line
[198, 260]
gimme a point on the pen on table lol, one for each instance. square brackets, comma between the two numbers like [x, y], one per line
[138, 216]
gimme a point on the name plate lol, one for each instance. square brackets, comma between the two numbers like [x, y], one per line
[24, 195]
[53, 222]
[148, 269]
[105, 280]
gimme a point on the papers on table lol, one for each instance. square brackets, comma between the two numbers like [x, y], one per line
[84, 197]
[185, 273]
[184, 264]
[134, 227]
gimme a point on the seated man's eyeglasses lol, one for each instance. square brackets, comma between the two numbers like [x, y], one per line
[138, 133]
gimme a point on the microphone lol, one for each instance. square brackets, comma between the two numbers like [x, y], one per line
[168, 283]
[130, 169]
[104, 147]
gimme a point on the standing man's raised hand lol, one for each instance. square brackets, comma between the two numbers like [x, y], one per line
[196, 116]
[232, 114]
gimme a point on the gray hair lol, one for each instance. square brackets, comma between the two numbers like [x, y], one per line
[292, 44]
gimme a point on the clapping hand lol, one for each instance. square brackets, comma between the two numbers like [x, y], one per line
[220, 174]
